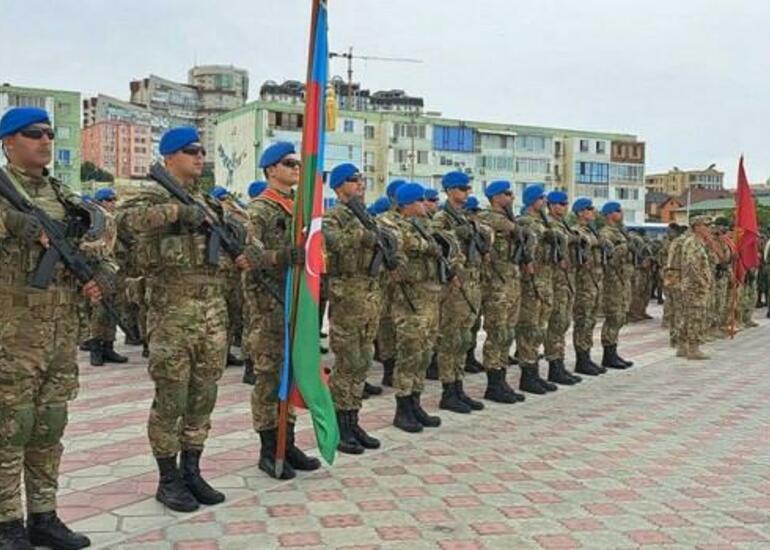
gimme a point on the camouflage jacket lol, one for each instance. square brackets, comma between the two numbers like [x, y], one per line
[418, 257]
[593, 254]
[271, 225]
[346, 256]
[565, 241]
[501, 257]
[672, 274]
[541, 253]
[448, 222]
[696, 272]
[20, 259]
[620, 268]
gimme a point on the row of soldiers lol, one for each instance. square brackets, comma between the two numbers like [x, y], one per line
[418, 279]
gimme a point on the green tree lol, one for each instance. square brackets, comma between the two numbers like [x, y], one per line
[90, 172]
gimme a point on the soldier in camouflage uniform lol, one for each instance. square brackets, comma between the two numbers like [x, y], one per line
[103, 327]
[386, 332]
[38, 338]
[355, 301]
[415, 306]
[618, 274]
[461, 302]
[563, 256]
[641, 286]
[187, 317]
[432, 205]
[662, 259]
[696, 287]
[500, 290]
[536, 294]
[588, 286]
[271, 221]
[722, 275]
[672, 280]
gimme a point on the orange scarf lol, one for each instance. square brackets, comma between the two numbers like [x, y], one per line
[271, 195]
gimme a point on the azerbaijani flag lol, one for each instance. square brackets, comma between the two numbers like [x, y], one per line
[303, 286]
[746, 229]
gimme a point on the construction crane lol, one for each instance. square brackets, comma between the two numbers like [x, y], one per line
[350, 57]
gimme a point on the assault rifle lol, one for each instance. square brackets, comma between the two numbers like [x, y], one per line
[478, 244]
[60, 249]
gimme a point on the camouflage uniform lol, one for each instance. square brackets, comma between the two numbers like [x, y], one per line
[386, 330]
[695, 290]
[38, 367]
[618, 274]
[456, 317]
[588, 290]
[641, 288]
[500, 289]
[563, 285]
[662, 260]
[186, 318]
[354, 305]
[672, 281]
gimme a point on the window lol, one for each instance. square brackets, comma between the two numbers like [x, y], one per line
[369, 132]
[62, 132]
[557, 148]
[601, 192]
[533, 144]
[347, 126]
[422, 157]
[533, 166]
[583, 145]
[453, 138]
[592, 172]
[601, 147]
[64, 157]
[496, 141]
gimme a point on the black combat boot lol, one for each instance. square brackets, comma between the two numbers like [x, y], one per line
[249, 376]
[529, 381]
[145, 350]
[465, 398]
[503, 380]
[97, 353]
[472, 365]
[596, 365]
[85, 345]
[548, 386]
[129, 341]
[450, 401]
[432, 372]
[172, 490]
[387, 372]
[496, 391]
[13, 536]
[611, 360]
[427, 420]
[269, 443]
[404, 417]
[191, 474]
[768, 312]
[366, 440]
[233, 361]
[296, 457]
[626, 361]
[558, 374]
[584, 365]
[371, 389]
[46, 529]
[514, 359]
[110, 355]
[348, 443]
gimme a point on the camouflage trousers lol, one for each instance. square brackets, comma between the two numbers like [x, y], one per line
[585, 310]
[386, 331]
[263, 337]
[416, 335]
[234, 298]
[454, 333]
[354, 314]
[38, 375]
[615, 307]
[500, 308]
[534, 312]
[640, 294]
[187, 324]
[558, 321]
[136, 308]
[693, 321]
[748, 301]
[720, 301]
[84, 310]
[103, 327]
[673, 301]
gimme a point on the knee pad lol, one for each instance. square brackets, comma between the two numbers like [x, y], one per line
[16, 426]
[51, 420]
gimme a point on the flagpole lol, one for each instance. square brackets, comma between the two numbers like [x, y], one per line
[299, 208]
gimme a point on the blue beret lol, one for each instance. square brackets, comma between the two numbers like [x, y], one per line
[557, 197]
[581, 204]
[104, 194]
[19, 118]
[275, 152]
[497, 187]
[531, 194]
[218, 192]
[393, 186]
[611, 207]
[85, 197]
[472, 204]
[256, 188]
[453, 180]
[431, 194]
[341, 173]
[177, 138]
[379, 206]
[409, 193]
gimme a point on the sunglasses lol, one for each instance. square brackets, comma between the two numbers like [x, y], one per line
[354, 179]
[432, 200]
[37, 133]
[508, 193]
[194, 150]
[290, 163]
[464, 189]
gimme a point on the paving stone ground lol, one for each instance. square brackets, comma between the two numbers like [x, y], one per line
[669, 453]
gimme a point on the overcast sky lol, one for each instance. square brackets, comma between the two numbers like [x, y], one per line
[689, 77]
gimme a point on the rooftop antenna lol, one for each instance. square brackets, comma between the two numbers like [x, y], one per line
[350, 57]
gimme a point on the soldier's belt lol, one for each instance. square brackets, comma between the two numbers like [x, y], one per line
[17, 297]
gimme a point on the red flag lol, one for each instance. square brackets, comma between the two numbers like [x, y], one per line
[746, 230]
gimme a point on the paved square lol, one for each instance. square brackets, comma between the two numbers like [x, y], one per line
[669, 453]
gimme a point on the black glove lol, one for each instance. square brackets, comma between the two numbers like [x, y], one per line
[24, 227]
[465, 232]
[190, 216]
